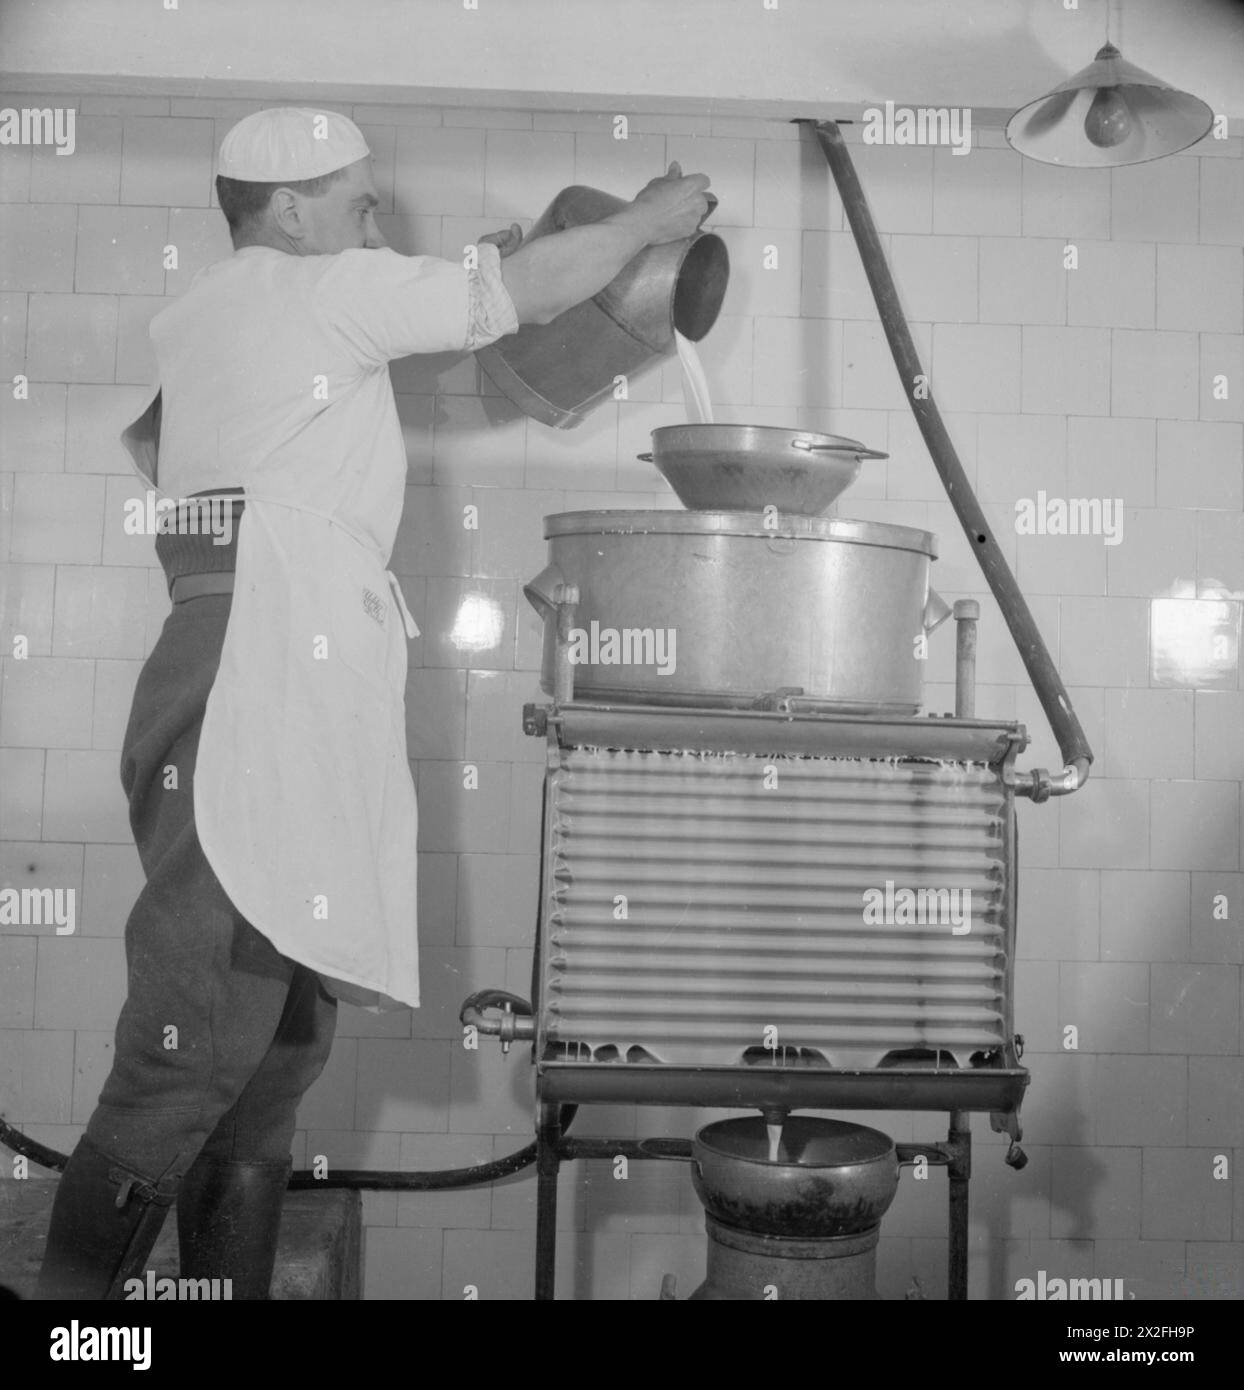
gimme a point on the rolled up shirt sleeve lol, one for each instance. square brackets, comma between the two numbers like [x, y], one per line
[384, 305]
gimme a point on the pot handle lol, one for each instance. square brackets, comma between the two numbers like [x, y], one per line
[644, 458]
[856, 452]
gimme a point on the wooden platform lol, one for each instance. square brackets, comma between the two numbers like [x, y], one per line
[318, 1256]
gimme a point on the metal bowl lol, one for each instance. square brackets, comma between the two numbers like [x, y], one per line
[830, 1178]
[746, 468]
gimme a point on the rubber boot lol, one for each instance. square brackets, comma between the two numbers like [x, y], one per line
[228, 1220]
[105, 1219]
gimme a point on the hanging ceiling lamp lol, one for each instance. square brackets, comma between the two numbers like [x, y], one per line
[1109, 113]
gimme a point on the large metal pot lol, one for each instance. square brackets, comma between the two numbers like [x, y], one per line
[557, 372]
[830, 1178]
[716, 608]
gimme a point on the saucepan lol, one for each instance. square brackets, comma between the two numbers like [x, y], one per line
[747, 468]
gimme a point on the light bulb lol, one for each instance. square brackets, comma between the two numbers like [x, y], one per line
[1109, 122]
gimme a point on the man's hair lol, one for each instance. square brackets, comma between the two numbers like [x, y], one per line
[244, 202]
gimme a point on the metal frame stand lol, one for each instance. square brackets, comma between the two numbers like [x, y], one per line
[553, 1145]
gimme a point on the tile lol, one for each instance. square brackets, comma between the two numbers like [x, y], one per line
[765, 271]
[438, 898]
[435, 712]
[1144, 916]
[514, 1198]
[524, 170]
[99, 612]
[402, 1086]
[498, 899]
[977, 194]
[1107, 1004]
[1181, 1199]
[1195, 642]
[898, 182]
[82, 798]
[1215, 1270]
[120, 250]
[382, 142]
[1065, 203]
[355, 1022]
[1058, 913]
[584, 457]
[36, 1074]
[46, 703]
[460, 1208]
[1222, 201]
[597, 1267]
[39, 241]
[21, 771]
[32, 430]
[1006, 1204]
[402, 1263]
[1219, 748]
[1155, 201]
[1215, 1100]
[654, 1258]
[1111, 458]
[1149, 1269]
[1109, 828]
[56, 519]
[1019, 454]
[511, 540]
[112, 881]
[489, 1264]
[438, 169]
[1022, 282]
[1216, 899]
[72, 337]
[97, 414]
[793, 187]
[386, 115]
[81, 982]
[1104, 641]
[800, 362]
[1196, 1010]
[92, 1061]
[834, 284]
[1200, 463]
[15, 173]
[436, 536]
[731, 168]
[469, 623]
[12, 333]
[123, 106]
[92, 174]
[526, 799]
[474, 820]
[201, 238]
[1195, 825]
[1222, 364]
[1149, 733]
[1067, 371]
[494, 706]
[478, 441]
[135, 360]
[1095, 1193]
[1153, 374]
[1063, 1106]
[1112, 285]
[167, 162]
[621, 167]
[416, 415]
[1141, 1100]
[491, 1093]
[1156, 556]
[869, 377]
[937, 277]
[448, 976]
[18, 956]
[332, 1150]
[1200, 289]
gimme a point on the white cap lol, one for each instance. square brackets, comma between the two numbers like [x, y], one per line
[290, 143]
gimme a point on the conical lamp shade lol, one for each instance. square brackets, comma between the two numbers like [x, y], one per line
[1109, 113]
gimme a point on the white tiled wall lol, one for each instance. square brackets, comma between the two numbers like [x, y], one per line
[1096, 381]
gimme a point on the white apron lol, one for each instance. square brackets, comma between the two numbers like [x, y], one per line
[303, 797]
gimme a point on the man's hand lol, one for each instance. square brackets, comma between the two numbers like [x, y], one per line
[673, 206]
[508, 241]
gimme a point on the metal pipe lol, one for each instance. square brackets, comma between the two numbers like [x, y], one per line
[1072, 743]
[548, 1162]
[967, 613]
[959, 1169]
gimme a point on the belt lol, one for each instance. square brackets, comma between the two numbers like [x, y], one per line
[188, 586]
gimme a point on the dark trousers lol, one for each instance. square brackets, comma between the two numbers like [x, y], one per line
[220, 1035]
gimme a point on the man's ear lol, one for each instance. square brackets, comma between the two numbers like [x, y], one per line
[286, 214]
